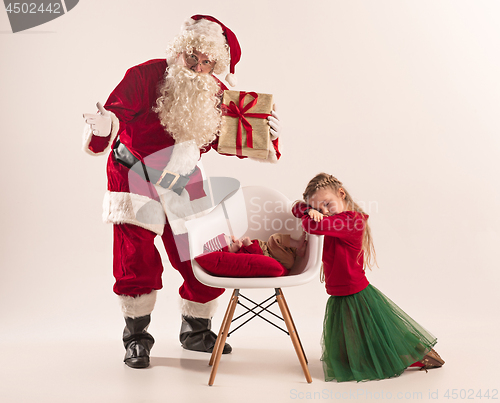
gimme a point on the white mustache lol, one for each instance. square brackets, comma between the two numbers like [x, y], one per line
[198, 79]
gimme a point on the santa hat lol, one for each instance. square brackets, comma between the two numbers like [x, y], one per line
[208, 35]
[232, 42]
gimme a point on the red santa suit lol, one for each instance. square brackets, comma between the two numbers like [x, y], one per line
[137, 264]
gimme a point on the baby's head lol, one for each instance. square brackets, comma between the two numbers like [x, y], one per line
[326, 194]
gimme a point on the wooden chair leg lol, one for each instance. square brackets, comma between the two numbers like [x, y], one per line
[293, 334]
[222, 326]
[295, 328]
[221, 339]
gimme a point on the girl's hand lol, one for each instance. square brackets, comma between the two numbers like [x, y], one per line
[315, 215]
[246, 241]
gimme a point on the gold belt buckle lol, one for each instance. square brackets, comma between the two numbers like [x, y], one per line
[174, 181]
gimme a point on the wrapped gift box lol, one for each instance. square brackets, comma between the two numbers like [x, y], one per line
[245, 128]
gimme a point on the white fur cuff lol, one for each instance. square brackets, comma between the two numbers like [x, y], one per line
[198, 310]
[184, 158]
[134, 307]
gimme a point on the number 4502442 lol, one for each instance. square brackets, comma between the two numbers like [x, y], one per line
[32, 8]
[471, 394]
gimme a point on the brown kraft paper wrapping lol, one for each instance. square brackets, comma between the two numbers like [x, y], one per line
[239, 111]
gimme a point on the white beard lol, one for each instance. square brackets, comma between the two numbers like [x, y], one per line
[188, 106]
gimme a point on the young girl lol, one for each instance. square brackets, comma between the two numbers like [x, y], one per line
[365, 335]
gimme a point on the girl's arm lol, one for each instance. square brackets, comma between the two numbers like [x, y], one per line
[315, 215]
[300, 209]
[343, 225]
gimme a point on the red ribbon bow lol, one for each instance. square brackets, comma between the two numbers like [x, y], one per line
[240, 111]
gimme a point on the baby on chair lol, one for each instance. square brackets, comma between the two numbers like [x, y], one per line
[281, 247]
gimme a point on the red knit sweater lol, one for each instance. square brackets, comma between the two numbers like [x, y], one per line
[342, 262]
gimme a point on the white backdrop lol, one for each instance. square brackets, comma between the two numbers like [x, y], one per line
[398, 99]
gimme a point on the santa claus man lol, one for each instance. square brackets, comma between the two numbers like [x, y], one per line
[157, 122]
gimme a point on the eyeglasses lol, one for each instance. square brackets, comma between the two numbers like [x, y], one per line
[192, 61]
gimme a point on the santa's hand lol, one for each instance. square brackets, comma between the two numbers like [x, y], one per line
[100, 123]
[274, 122]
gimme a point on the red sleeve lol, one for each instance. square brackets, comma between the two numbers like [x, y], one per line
[129, 98]
[133, 95]
[344, 225]
[276, 148]
[253, 248]
[98, 144]
[300, 209]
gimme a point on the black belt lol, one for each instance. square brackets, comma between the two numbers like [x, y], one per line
[166, 179]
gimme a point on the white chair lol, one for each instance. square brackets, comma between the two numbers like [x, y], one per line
[256, 212]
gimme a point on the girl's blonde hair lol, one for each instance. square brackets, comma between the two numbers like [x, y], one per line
[323, 180]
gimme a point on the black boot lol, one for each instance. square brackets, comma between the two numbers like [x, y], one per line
[196, 335]
[137, 341]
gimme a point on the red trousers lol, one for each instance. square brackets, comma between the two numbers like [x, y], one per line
[137, 265]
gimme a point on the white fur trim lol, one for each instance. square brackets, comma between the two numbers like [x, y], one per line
[231, 79]
[130, 208]
[87, 136]
[198, 310]
[204, 27]
[184, 158]
[134, 307]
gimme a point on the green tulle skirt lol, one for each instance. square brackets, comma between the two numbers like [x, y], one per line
[366, 336]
